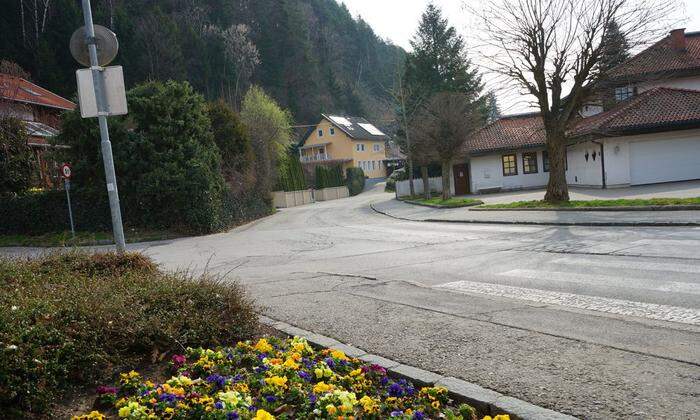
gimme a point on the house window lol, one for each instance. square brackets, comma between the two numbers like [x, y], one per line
[374, 165]
[332, 131]
[320, 133]
[377, 148]
[360, 147]
[624, 93]
[510, 165]
[530, 163]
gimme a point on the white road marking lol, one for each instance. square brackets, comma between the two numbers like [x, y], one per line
[603, 280]
[594, 303]
[635, 265]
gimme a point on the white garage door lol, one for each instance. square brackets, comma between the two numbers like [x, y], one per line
[664, 161]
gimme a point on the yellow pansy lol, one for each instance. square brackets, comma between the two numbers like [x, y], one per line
[93, 415]
[322, 388]
[263, 346]
[337, 354]
[280, 381]
[356, 372]
[330, 409]
[291, 364]
[263, 415]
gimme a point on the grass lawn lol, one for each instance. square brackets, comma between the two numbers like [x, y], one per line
[84, 238]
[439, 202]
[597, 203]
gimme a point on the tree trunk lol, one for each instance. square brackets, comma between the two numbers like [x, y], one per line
[446, 166]
[410, 178]
[426, 182]
[557, 188]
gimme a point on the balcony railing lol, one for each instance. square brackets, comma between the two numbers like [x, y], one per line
[319, 157]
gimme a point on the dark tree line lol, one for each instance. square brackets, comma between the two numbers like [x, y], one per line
[310, 55]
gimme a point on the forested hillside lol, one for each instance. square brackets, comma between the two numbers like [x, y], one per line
[310, 55]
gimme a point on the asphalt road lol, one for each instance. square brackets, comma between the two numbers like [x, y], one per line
[594, 322]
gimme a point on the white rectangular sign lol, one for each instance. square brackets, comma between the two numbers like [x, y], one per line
[114, 91]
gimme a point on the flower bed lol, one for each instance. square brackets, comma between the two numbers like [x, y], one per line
[275, 378]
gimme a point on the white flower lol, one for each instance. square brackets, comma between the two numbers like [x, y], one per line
[14, 307]
[12, 347]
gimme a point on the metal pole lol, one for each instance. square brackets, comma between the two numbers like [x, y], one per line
[98, 83]
[70, 210]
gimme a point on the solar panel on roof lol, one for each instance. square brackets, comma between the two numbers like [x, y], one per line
[342, 121]
[371, 129]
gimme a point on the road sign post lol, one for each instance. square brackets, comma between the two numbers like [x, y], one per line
[66, 173]
[103, 112]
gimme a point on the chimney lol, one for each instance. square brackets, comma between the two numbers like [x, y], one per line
[678, 39]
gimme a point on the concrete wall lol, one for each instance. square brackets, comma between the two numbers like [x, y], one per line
[404, 189]
[285, 199]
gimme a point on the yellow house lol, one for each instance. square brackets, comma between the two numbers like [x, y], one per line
[349, 141]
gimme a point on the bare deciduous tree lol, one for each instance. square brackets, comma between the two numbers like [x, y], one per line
[241, 52]
[443, 126]
[549, 47]
[400, 95]
[37, 11]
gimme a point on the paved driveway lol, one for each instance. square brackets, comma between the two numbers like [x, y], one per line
[673, 190]
[599, 323]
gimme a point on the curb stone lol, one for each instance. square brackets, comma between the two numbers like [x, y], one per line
[610, 208]
[484, 400]
[538, 223]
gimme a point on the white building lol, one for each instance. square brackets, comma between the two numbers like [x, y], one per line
[650, 134]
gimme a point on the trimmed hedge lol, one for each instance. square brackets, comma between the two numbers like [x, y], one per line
[47, 212]
[329, 177]
[355, 180]
[291, 175]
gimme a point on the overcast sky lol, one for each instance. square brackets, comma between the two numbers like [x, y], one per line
[397, 21]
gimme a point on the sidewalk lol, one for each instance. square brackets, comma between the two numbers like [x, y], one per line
[400, 210]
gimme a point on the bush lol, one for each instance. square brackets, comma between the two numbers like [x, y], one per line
[231, 137]
[167, 162]
[15, 157]
[329, 177]
[242, 207]
[68, 319]
[355, 180]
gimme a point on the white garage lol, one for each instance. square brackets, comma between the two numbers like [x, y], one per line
[664, 160]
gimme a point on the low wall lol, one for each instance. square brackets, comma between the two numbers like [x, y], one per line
[403, 188]
[333, 193]
[284, 199]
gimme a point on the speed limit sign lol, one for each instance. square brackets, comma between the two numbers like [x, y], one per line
[66, 171]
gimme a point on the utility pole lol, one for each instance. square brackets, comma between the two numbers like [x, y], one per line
[103, 111]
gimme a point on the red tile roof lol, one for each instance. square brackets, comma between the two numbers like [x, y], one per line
[20, 90]
[656, 109]
[508, 133]
[661, 58]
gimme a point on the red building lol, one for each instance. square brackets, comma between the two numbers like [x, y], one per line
[40, 109]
